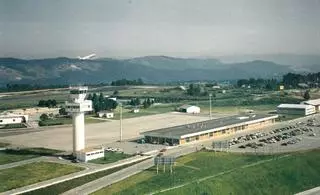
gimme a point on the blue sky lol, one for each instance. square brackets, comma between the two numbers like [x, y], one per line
[185, 28]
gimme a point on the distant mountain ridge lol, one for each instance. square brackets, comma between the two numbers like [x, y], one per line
[150, 68]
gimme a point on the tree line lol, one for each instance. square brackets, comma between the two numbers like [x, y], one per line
[28, 87]
[268, 84]
[292, 79]
[99, 102]
[47, 103]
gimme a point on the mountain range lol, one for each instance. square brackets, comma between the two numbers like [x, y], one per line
[154, 69]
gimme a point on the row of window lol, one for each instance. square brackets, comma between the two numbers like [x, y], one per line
[94, 153]
[13, 120]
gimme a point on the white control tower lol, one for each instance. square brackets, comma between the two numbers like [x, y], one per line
[77, 105]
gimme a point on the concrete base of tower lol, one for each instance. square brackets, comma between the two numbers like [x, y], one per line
[78, 132]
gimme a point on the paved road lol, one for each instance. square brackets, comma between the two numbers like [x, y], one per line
[313, 191]
[110, 179]
[125, 173]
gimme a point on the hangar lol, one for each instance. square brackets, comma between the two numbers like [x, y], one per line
[189, 109]
[207, 129]
[296, 109]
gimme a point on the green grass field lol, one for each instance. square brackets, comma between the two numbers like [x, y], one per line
[67, 121]
[227, 173]
[32, 173]
[110, 157]
[68, 185]
[10, 155]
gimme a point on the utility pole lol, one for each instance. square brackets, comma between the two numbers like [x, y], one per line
[120, 122]
[210, 95]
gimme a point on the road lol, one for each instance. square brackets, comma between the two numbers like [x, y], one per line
[127, 172]
[313, 191]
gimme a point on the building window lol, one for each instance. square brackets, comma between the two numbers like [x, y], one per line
[1, 121]
[13, 120]
[223, 131]
[187, 139]
[211, 134]
[197, 137]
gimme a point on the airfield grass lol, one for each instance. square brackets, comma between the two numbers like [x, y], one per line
[227, 173]
[33, 173]
[110, 157]
[14, 155]
[67, 121]
[73, 183]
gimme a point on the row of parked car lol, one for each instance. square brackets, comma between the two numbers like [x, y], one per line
[295, 130]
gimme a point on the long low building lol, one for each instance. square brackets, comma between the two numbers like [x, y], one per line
[207, 129]
[10, 118]
[296, 109]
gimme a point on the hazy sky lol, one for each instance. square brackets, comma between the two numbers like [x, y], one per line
[188, 28]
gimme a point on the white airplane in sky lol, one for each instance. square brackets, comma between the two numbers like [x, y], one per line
[86, 57]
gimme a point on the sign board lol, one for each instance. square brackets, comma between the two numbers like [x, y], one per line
[164, 160]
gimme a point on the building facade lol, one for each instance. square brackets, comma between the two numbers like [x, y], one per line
[208, 129]
[296, 109]
[90, 154]
[189, 109]
[13, 119]
[315, 103]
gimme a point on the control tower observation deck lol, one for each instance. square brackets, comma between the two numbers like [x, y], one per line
[77, 105]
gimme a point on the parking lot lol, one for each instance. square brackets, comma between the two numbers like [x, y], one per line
[299, 135]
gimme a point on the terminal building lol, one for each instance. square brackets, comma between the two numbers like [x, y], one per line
[296, 109]
[207, 129]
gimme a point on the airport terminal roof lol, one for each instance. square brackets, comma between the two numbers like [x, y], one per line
[296, 106]
[209, 125]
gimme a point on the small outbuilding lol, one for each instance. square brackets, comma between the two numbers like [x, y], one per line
[189, 109]
[105, 114]
[90, 153]
[296, 109]
[135, 110]
[315, 103]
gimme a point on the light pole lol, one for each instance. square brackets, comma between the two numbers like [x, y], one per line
[210, 95]
[120, 104]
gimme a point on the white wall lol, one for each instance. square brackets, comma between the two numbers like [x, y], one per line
[86, 156]
[12, 120]
[193, 109]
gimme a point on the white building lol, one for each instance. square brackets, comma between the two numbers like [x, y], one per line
[113, 98]
[90, 154]
[189, 109]
[106, 114]
[216, 87]
[315, 103]
[13, 119]
[296, 109]
[135, 110]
